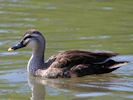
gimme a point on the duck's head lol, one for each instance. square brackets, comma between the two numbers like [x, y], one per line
[32, 38]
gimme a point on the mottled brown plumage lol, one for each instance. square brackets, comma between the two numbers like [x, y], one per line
[72, 63]
[76, 63]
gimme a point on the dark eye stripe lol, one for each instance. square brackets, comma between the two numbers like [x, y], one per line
[27, 37]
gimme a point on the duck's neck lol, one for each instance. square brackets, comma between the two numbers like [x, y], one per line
[37, 60]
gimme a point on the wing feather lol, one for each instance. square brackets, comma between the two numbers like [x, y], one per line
[70, 58]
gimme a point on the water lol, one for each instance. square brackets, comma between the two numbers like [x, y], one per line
[67, 24]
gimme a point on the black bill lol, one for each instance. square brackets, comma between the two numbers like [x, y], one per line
[18, 46]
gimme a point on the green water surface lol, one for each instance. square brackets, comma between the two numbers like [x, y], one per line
[93, 25]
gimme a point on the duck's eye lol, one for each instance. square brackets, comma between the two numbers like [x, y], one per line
[35, 32]
[27, 37]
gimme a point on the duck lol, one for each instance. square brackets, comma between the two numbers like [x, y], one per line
[67, 64]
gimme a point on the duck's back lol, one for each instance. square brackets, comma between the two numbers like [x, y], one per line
[77, 63]
[74, 57]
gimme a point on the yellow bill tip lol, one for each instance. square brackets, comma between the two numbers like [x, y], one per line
[10, 49]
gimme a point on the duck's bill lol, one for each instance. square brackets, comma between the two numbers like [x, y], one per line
[18, 46]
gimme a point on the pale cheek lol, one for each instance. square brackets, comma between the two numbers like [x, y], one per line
[32, 44]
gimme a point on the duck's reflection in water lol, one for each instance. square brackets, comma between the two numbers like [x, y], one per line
[75, 88]
[37, 88]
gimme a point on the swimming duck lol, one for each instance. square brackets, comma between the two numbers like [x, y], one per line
[71, 63]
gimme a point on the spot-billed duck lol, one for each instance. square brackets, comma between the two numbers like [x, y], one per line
[72, 63]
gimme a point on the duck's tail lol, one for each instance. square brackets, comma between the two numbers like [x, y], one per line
[110, 66]
[115, 65]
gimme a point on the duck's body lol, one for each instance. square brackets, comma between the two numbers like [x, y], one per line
[72, 63]
[75, 63]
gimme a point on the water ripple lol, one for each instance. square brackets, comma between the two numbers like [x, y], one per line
[107, 8]
[8, 53]
[3, 31]
[95, 37]
[16, 25]
[45, 6]
[91, 94]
